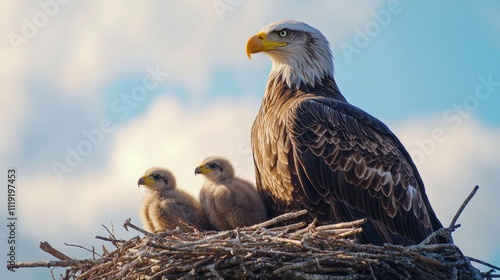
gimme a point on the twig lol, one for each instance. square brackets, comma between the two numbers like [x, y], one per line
[222, 234]
[110, 233]
[279, 219]
[289, 227]
[112, 240]
[64, 263]
[351, 224]
[127, 224]
[81, 247]
[214, 272]
[46, 247]
[484, 263]
[287, 240]
[445, 232]
[349, 233]
[459, 212]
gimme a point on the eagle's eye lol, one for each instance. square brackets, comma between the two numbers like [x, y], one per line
[157, 177]
[212, 165]
[283, 33]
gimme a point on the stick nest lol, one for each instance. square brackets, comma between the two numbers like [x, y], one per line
[265, 251]
[268, 251]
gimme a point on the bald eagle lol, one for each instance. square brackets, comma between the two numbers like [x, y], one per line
[313, 150]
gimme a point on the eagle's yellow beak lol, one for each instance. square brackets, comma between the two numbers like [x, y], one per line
[258, 43]
[146, 181]
[202, 169]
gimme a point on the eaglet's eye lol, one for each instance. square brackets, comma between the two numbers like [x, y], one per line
[157, 177]
[212, 165]
[283, 33]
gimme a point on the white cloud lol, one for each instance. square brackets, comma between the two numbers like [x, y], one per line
[85, 44]
[178, 139]
[15, 110]
[464, 156]
[167, 135]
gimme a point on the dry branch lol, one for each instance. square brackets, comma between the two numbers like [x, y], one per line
[45, 246]
[462, 207]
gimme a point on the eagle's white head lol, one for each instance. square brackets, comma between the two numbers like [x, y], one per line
[300, 53]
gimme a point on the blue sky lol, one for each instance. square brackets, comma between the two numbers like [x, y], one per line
[429, 70]
[427, 60]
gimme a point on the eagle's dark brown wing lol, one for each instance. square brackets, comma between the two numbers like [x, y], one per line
[346, 164]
